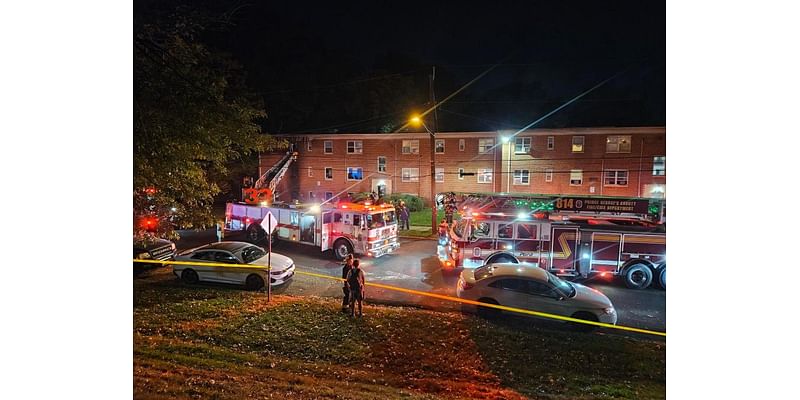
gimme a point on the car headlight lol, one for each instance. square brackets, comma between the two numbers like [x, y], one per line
[609, 310]
[143, 256]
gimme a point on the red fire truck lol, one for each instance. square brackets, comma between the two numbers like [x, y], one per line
[616, 242]
[346, 228]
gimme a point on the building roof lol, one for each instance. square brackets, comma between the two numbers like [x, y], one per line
[651, 130]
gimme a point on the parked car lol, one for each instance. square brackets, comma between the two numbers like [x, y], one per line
[248, 265]
[151, 248]
[532, 288]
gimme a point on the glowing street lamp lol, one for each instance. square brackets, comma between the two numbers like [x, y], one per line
[416, 120]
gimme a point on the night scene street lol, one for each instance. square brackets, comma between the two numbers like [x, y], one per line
[434, 200]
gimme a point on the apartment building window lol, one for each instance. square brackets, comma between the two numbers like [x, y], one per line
[522, 145]
[521, 177]
[548, 175]
[439, 146]
[410, 146]
[328, 173]
[576, 177]
[485, 175]
[310, 172]
[461, 144]
[328, 195]
[618, 144]
[328, 146]
[355, 173]
[577, 144]
[381, 164]
[410, 174]
[308, 145]
[354, 147]
[615, 177]
[460, 174]
[311, 196]
[659, 166]
[485, 145]
[551, 142]
[440, 175]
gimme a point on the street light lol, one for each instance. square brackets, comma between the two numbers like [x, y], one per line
[416, 120]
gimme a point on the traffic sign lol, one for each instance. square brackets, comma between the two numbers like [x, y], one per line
[269, 223]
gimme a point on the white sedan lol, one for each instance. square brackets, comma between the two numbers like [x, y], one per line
[248, 265]
[532, 288]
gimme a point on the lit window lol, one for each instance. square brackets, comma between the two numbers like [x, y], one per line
[439, 146]
[328, 146]
[615, 177]
[521, 177]
[381, 164]
[328, 173]
[354, 147]
[576, 177]
[410, 146]
[485, 175]
[548, 175]
[522, 145]
[439, 174]
[461, 144]
[577, 144]
[355, 173]
[659, 166]
[551, 142]
[618, 144]
[485, 145]
[410, 175]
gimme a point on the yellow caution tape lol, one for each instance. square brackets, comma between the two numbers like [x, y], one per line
[435, 296]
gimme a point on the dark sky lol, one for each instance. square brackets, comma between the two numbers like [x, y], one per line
[334, 65]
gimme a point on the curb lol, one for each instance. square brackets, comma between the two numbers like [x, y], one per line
[417, 237]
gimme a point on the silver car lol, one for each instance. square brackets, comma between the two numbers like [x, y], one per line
[248, 265]
[532, 288]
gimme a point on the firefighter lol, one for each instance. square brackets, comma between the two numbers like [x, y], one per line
[355, 282]
[346, 267]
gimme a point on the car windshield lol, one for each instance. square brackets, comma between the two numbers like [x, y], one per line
[561, 285]
[390, 217]
[252, 253]
[483, 272]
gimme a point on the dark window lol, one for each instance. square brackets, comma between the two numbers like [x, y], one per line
[517, 285]
[540, 289]
[328, 195]
[526, 231]
[356, 219]
[326, 218]
[252, 253]
[337, 217]
[223, 257]
[205, 255]
[505, 231]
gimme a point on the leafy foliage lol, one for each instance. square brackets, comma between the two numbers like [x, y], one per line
[193, 117]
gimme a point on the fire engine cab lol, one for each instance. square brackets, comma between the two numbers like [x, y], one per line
[624, 242]
[363, 229]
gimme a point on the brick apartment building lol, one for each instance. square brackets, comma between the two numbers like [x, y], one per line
[627, 162]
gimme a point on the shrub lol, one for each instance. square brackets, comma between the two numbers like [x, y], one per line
[414, 203]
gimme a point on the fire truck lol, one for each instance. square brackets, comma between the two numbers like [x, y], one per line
[363, 229]
[570, 236]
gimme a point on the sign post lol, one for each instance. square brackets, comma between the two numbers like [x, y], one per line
[269, 227]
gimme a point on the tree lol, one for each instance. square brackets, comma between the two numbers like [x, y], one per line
[193, 117]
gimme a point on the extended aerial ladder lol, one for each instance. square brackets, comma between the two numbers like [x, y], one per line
[268, 182]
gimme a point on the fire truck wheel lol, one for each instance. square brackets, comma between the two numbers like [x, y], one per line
[341, 248]
[189, 276]
[586, 316]
[661, 273]
[638, 276]
[254, 282]
[255, 234]
[488, 312]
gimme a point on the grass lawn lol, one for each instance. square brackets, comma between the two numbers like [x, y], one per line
[216, 342]
[423, 217]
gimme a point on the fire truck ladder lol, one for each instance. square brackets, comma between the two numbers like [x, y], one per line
[273, 176]
[545, 203]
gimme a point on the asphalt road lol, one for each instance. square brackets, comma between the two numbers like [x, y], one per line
[414, 266]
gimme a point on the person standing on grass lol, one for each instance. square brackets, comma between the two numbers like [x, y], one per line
[220, 232]
[346, 267]
[355, 281]
[404, 216]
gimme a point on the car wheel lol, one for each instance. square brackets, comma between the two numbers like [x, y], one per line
[661, 273]
[189, 276]
[586, 316]
[638, 276]
[501, 258]
[341, 248]
[254, 282]
[488, 312]
[255, 234]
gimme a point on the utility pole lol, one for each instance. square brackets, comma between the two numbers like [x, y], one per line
[434, 225]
